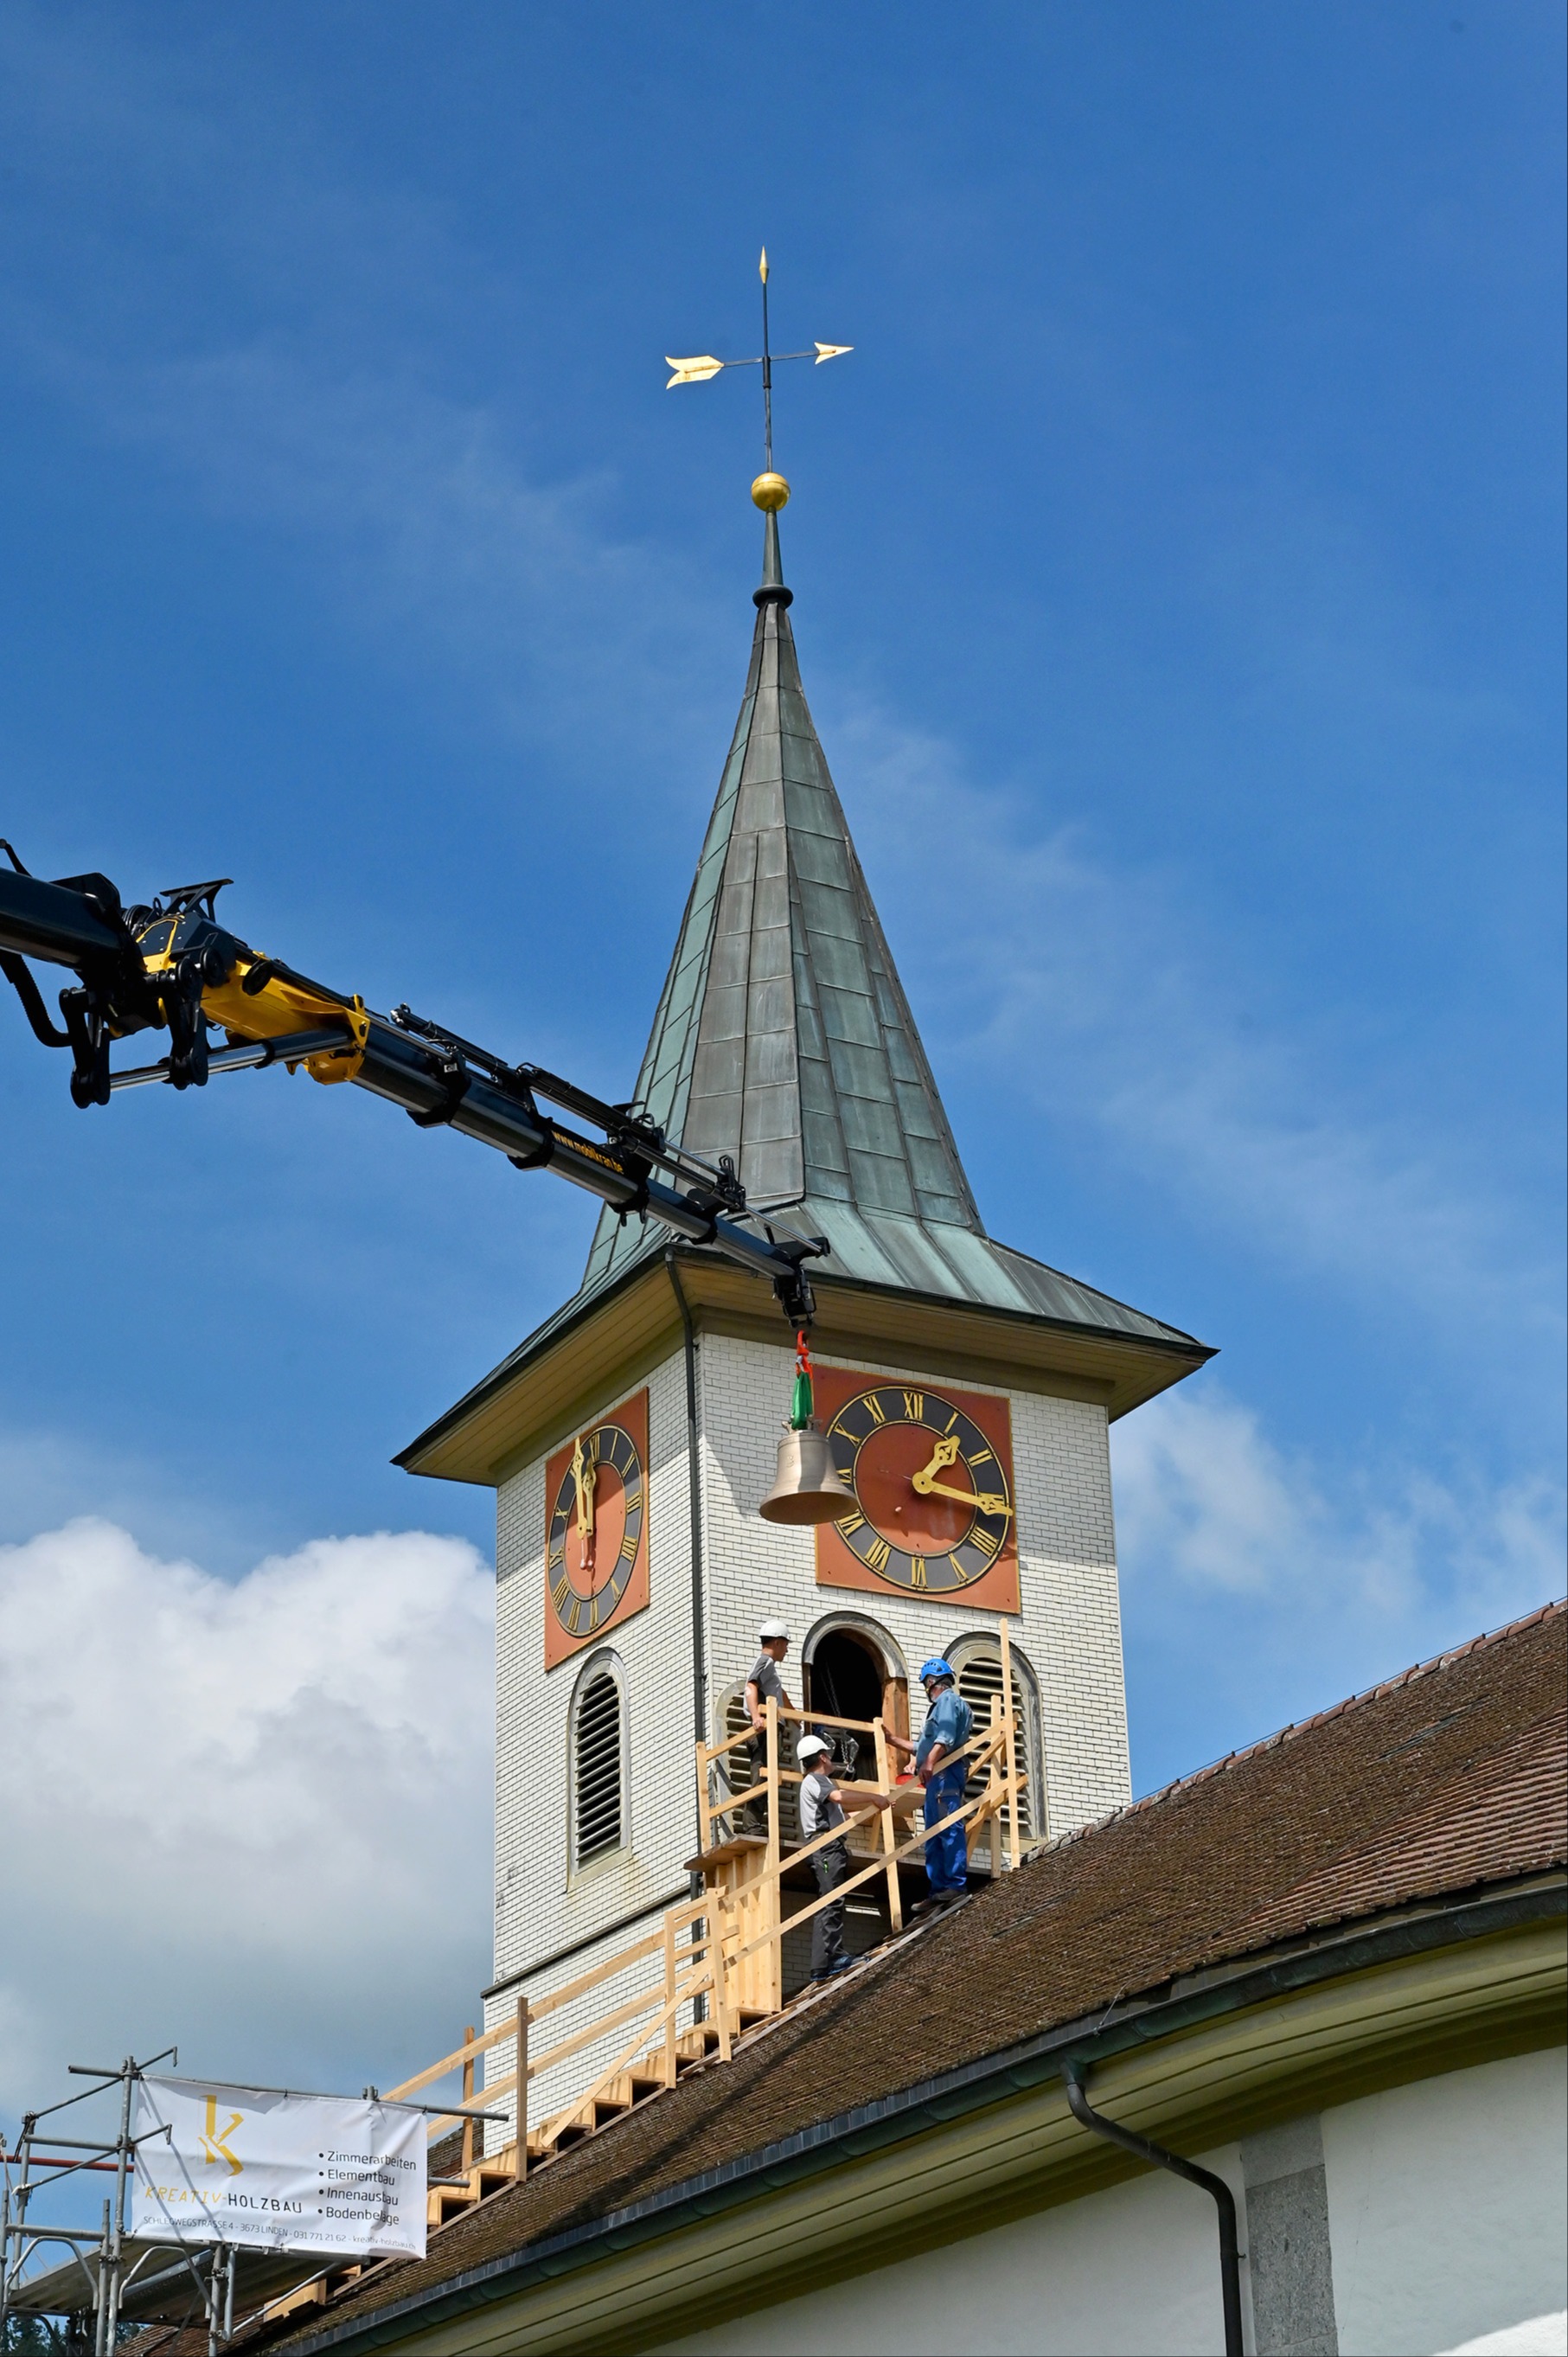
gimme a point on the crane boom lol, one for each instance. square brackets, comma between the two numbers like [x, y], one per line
[170, 965]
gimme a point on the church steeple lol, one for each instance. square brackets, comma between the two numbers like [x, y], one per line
[783, 1041]
[783, 1037]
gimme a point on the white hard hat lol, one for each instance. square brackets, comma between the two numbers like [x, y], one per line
[809, 1747]
[771, 1629]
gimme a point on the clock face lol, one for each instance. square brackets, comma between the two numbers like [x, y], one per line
[932, 1477]
[596, 1506]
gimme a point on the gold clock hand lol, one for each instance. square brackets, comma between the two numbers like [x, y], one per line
[584, 1475]
[985, 1501]
[945, 1453]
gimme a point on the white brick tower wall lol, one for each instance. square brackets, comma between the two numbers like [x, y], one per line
[542, 1907]
[1068, 1632]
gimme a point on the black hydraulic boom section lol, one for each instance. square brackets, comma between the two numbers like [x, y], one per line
[171, 966]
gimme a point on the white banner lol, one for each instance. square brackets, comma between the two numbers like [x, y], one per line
[277, 2172]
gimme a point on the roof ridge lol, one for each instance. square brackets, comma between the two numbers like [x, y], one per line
[1298, 1726]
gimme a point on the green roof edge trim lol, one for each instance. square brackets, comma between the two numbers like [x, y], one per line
[1169, 1340]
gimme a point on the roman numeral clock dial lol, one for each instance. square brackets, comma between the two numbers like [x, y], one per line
[596, 1546]
[932, 1477]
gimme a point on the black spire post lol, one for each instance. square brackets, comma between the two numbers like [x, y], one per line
[772, 592]
[767, 377]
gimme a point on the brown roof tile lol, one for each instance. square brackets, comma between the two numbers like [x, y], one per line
[1444, 1779]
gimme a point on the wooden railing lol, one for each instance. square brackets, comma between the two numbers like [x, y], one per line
[713, 1757]
[725, 1950]
[690, 1971]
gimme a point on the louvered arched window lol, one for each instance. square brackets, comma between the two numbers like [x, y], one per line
[978, 1661]
[598, 1762]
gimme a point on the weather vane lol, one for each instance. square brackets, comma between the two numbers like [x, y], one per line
[769, 490]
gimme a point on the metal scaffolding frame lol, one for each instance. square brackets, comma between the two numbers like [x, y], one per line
[108, 2266]
[107, 2269]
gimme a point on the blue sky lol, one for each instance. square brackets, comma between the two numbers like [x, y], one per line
[1177, 564]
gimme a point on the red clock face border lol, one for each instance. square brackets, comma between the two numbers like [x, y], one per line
[942, 1549]
[599, 1580]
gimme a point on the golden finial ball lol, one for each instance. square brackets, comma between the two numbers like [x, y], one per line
[770, 491]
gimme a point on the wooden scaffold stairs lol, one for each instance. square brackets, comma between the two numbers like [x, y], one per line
[715, 1969]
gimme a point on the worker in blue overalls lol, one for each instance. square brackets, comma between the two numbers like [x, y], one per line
[949, 1722]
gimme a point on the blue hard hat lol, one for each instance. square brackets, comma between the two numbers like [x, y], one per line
[937, 1668]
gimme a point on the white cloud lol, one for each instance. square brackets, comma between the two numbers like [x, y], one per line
[1201, 1492]
[1209, 1508]
[250, 1816]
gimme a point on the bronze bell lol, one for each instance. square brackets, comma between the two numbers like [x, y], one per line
[806, 1488]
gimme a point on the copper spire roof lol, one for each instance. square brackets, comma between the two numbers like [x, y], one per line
[783, 1037]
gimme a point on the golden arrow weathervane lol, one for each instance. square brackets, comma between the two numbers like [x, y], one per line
[704, 365]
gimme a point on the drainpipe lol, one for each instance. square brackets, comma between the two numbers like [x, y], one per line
[694, 1477]
[1073, 2073]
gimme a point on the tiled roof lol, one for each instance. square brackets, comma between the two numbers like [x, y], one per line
[1476, 1827]
[1438, 1782]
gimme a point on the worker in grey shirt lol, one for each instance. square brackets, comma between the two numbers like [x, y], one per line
[764, 1685]
[822, 1806]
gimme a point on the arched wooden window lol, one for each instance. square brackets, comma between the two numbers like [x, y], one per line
[978, 1661]
[598, 1762]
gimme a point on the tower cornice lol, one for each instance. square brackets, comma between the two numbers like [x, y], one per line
[603, 1341]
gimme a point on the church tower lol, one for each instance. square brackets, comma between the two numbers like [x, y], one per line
[783, 1039]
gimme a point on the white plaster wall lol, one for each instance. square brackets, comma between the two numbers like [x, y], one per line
[1448, 2217]
[1134, 2272]
[1448, 2206]
[1069, 1627]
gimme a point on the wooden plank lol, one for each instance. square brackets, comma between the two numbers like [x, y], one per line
[440, 2122]
[1010, 1708]
[447, 2064]
[740, 1800]
[629, 2011]
[555, 1999]
[720, 1961]
[468, 2160]
[773, 1992]
[542, 2007]
[889, 1837]
[519, 2074]
[669, 2053]
[822, 1719]
[705, 1809]
[712, 1751]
